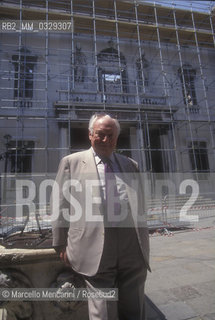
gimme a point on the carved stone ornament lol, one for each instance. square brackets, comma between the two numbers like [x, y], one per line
[69, 309]
[16, 310]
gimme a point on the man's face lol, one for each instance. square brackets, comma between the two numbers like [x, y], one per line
[104, 136]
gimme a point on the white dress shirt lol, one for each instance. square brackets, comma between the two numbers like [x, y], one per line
[121, 188]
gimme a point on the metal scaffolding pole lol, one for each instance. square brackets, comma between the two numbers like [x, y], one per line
[73, 51]
[139, 45]
[19, 120]
[46, 89]
[95, 47]
[118, 46]
[185, 89]
[71, 79]
[165, 84]
[203, 83]
[140, 126]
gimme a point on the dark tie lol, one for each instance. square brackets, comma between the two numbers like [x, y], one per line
[112, 196]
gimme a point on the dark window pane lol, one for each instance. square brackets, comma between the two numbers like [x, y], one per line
[79, 138]
[199, 156]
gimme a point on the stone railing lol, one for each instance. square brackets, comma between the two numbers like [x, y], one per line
[109, 98]
[38, 268]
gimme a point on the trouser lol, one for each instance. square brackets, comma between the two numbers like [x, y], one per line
[122, 266]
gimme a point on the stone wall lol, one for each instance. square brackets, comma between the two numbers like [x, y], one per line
[38, 268]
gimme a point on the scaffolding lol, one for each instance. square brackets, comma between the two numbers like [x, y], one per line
[150, 65]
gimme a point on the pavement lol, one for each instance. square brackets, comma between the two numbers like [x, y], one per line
[181, 285]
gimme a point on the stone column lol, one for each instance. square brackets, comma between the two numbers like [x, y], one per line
[64, 141]
[136, 139]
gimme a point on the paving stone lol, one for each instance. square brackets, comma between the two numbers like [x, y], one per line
[185, 293]
[177, 311]
[202, 305]
[196, 318]
[162, 296]
[194, 278]
[209, 316]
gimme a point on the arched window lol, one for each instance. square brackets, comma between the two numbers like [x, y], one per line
[112, 76]
[187, 76]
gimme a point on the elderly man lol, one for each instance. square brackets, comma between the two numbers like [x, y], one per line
[99, 227]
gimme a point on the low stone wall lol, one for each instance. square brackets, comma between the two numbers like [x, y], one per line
[38, 268]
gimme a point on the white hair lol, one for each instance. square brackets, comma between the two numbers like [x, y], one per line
[97, 116]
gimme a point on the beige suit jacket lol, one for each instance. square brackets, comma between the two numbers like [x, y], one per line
[77, 195]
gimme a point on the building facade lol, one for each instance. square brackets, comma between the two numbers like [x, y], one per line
[150, 66]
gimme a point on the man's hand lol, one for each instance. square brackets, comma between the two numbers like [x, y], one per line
[63, 256]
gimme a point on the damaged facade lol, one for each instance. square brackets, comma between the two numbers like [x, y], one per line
[151, 66]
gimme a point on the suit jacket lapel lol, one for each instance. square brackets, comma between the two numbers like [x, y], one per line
[123, 163]
[88, 162]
